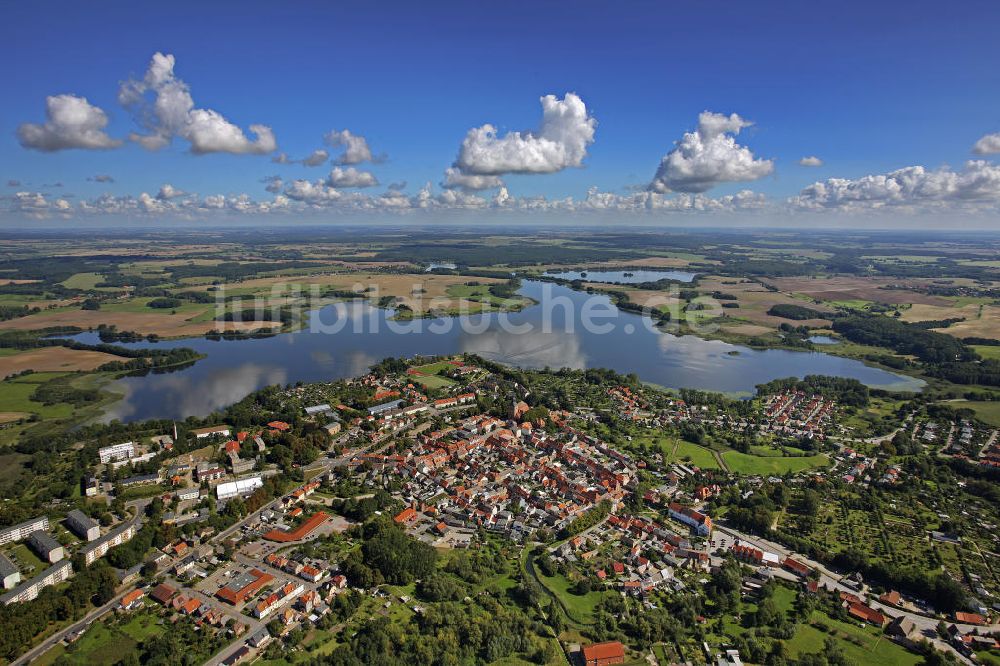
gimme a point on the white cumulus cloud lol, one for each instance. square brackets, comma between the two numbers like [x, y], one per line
[168, 192]
[70, 122]
[351, 177]
[978, 183]
[561, 141]
[987, 145]
[810, 161]
[709, 156]
[316, 158]
[356, 149]
[453, 178]
[164, 106]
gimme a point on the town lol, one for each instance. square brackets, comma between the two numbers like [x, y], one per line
[206, 528]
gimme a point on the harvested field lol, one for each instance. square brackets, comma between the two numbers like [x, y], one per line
[919, 312]
[747, 330]
[856, 288]
[985, 326]
[54, 359]
[419, 291]
[982, 320]
[645, 262]
[163, 324]
[755, 300]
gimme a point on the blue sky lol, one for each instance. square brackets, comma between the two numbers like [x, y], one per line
[868, 87]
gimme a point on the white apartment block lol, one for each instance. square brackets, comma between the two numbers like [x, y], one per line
[83, 525]
[21, 531]
[9, 574]
[116, 537]
[122, 451]
[29, 589]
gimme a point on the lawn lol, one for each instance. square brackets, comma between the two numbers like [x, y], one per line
[15, 396]
[100, 645]
[434, 368]
[988, 412]
[991, 658]
[579, 608]
[433, 381]
[874, 649]
[686, 452]
[142, 626]
[103, 644]
[26, 559]
[761, 465]
[988, 351]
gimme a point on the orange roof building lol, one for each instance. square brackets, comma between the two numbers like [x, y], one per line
[893, 598]
[301, 532]
[970, 618]
[866, 614]
[407, 515]
[258, 579]
[599, 654]
[131, 598]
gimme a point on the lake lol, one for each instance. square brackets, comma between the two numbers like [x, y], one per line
[344, 339]
[448, 266]
[622, 277]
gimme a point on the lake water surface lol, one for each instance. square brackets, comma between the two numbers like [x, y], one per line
[620, 277]
[552, 335]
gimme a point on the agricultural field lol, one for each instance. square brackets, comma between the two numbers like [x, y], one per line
[841, 289]
[190, 319]
[53, 359]
[82, 281]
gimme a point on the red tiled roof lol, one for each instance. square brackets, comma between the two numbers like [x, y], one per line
[601, 651]
[162, 593]
[867, 614]
[301, 531]
[892, 597]
[405, 516]
[131, 597]
[970, 618]
[234, 597]
[796, 566]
